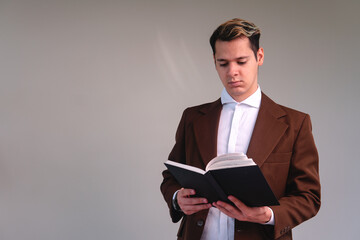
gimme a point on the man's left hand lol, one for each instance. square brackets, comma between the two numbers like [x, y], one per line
[242, 212]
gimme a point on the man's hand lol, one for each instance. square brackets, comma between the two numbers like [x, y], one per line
[190, 205]
[244, 213]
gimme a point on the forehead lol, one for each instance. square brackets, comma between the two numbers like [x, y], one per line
[239, 47]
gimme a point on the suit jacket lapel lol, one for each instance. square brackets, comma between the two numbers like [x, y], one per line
[205, 129]
[267, 131]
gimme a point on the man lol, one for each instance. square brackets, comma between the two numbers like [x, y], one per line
[277, 138]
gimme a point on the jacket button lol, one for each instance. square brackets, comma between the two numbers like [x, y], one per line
[200, 223]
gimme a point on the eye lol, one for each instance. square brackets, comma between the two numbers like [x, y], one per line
[223, 64]
[241, 63]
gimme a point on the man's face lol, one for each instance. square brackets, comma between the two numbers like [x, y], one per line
[237, 67]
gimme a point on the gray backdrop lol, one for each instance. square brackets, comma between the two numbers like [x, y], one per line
[92, 92]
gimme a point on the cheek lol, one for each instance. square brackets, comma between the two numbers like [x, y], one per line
[222, 74]
[248, 73]
[218, 71]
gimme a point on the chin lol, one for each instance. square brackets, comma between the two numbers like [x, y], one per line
[238, 93]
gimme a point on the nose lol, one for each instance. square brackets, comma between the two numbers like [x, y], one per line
[233, 70]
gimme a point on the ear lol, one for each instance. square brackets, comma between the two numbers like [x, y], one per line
[214, 59]
[260, 56]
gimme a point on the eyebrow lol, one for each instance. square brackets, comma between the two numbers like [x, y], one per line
[239, 58]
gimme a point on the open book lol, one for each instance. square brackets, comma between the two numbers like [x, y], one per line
[229, 174]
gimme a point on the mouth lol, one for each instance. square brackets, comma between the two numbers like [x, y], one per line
[236, 83]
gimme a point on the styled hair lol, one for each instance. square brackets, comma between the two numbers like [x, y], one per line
[236, 28]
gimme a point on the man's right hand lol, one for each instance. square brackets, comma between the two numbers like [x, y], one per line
[190, 205]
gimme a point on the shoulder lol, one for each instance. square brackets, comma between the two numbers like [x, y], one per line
[293, 112]
[204, 107]
[289, 115]
[194, 112]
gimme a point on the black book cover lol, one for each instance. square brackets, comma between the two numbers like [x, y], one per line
[246, 183]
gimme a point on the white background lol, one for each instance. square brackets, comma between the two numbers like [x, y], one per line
[92, 92]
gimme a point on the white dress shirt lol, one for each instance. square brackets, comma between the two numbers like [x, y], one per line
[237, 121]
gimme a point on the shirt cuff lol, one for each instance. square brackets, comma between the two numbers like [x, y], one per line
[174, 202]
[272, 219]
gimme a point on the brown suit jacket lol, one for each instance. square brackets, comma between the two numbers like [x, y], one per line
[283, 147]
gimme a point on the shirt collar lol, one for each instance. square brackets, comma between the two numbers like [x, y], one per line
[253, 100]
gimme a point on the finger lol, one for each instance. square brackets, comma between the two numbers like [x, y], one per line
[197, 207]
[192, 201]
[184, 199]
[184, 192]
[252, 214]
[225, 205]
[239, 204]
[190, 209]
[227, 208]
[246, 210]
[224, 210]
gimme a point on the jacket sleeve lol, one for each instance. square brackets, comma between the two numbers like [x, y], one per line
[169, 184]
[302, 196]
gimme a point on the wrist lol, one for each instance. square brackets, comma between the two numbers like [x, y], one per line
[270, 217]
[175, 202]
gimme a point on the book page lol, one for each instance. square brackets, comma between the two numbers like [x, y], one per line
[230, 160]
[184, 166]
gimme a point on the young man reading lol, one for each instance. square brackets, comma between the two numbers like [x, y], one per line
[244, 119]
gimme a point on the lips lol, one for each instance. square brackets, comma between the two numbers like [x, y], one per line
[235, 83]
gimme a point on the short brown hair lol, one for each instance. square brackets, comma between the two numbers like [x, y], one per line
[236, 28]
